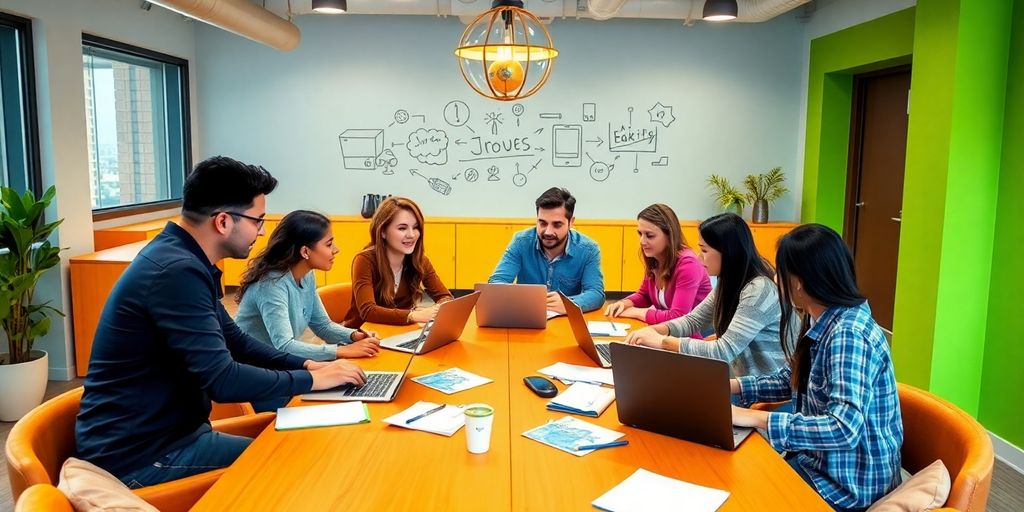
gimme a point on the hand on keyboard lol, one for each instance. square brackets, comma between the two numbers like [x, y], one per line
[337, 373]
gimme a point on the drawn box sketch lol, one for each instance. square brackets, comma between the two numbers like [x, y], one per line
[567, 144]
[360, 148]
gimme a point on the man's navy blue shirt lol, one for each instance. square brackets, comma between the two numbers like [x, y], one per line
[163, 349]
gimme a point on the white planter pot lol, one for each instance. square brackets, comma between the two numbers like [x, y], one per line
[22, 386]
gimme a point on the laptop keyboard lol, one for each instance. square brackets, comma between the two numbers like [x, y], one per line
[376, 385]
[605, 350]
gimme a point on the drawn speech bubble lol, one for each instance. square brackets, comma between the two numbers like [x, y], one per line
[428, 146]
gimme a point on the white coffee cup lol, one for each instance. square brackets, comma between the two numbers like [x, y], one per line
[479, 419]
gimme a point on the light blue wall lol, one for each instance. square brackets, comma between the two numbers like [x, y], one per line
[734, 88]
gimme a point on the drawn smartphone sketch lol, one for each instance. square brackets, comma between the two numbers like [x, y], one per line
[590, 112]
[567, 144]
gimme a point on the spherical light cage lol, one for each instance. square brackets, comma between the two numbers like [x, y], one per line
[506, 53]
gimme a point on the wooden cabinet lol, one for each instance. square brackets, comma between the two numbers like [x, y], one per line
[113, 237]
[478, 248]
[439, 246]
[632, 266]
[609, 239]
[350, 237]
[766, 237]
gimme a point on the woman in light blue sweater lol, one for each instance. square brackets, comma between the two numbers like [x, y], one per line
[278, 299]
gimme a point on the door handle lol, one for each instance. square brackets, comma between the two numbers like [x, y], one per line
[860, 204]
[896, 219]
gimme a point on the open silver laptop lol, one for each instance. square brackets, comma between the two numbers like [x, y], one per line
[445, 328]
[512, 305]
[697, 409]
[379, 387]
[600, 352]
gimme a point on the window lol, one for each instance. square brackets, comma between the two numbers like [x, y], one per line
[136, 104]
[19, 143]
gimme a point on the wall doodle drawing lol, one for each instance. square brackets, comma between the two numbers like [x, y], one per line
[492, 173]
[589, 112]
[471, 175]
[456, 113]
[567, 145]
[661, 162]
[438, 185]
[661, 114]
[360, 148]
[388, 161]
[428, 146]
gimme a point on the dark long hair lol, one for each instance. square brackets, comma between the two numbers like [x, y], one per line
[661, 266]
[298, 229]
[817, 256]
[728, 234]
[414, 263]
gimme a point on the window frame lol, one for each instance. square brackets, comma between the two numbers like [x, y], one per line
[91, 40]
[26, 54]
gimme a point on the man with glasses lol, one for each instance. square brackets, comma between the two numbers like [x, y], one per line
[165, 347]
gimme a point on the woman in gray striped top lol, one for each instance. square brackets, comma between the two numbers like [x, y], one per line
[743, 309]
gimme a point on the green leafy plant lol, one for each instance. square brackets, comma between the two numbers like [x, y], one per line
[726, 195]
[765, 186]
[25, 254]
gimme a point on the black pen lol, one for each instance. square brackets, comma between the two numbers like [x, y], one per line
[603, 445]
[424, 415]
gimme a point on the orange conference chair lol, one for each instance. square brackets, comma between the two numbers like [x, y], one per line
[40, 442]
[936, 429]
[337, 298]
[43, 497]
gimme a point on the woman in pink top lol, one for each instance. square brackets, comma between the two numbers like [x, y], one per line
[675, 280]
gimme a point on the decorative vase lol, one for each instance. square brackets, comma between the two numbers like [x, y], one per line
[22, 385]
[759, 215]
[368, 206]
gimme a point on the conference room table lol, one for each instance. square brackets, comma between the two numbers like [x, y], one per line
[374, 466]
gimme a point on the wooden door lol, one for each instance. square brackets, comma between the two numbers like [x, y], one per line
[874, 198]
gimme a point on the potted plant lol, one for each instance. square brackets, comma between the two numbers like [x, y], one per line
[25, 253]
[726, 195]
[762, 190]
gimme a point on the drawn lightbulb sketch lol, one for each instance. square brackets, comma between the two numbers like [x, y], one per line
[493, 119]
[456, 113]
[517, 110]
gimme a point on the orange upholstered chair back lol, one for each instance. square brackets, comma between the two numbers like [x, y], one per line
[337, 298]
[40, 442]
[43, 497]
[936, 429]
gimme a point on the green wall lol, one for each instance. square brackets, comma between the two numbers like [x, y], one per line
[950, 252]
[835, 58]
[1002, 380]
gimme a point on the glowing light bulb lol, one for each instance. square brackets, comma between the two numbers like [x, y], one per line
[505, 76]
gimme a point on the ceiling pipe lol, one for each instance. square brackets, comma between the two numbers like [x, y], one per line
[241, 17]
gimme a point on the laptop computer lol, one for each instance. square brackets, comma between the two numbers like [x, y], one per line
[445, 328]
[379, 387]
[512, 305]
[599, 352]
[697, 409]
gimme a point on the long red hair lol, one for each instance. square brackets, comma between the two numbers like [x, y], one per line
[413, 267]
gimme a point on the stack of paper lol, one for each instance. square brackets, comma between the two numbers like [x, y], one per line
[606, 328]
[584, 399]
[445, 422]
[650, 492]
[553, 314]
[451, 380]
[348, 413]
[568, 433]
[575, 373]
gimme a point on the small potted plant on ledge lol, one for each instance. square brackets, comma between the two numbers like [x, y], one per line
[762, 190]
[726, 195]
[25, 253]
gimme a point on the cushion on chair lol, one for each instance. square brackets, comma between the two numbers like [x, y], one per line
[90, 488]
[926, 490]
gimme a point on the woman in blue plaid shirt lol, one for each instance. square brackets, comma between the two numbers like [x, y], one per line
[844, 438]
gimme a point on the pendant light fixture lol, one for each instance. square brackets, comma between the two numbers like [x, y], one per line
[720, 10]
[330, 6]
[506, 53]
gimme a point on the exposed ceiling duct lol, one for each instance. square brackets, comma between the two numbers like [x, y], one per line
[687, 10]
[243, 18]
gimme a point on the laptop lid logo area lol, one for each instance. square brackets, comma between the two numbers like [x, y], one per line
[581, 331]
[449, 323]
[698, 409]
[522, 306]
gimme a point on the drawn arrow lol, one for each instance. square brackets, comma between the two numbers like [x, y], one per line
[541, 149]
[470, 128]
[599, 141]
[590, 157]
[396, 144]
[534, 167]
[461, 142]
[414, 173]
[538, 130]
[455, 177]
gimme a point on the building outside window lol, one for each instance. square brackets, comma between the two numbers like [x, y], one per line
[136, 104]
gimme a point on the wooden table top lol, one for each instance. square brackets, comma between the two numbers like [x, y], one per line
[379, 467]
